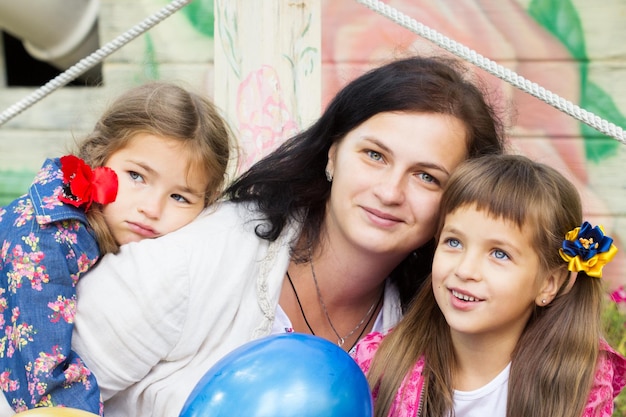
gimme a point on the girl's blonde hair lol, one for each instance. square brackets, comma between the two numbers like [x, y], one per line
[167, 110]
[553, 363]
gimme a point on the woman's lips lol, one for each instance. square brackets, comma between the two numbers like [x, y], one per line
[381, 218]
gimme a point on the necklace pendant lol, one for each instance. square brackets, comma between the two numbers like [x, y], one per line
[340, 342]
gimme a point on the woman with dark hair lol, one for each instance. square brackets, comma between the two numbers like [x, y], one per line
[330, 235]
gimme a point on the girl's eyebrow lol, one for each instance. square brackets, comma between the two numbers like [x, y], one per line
[143, 165]
[451, 229]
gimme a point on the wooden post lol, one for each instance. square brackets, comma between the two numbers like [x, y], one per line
[267, 70]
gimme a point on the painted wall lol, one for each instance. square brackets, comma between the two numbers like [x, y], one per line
[574, 48]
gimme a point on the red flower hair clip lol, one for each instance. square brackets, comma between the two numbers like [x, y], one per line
[84, 186]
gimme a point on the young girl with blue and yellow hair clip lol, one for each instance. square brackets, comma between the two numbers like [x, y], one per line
[509, 323]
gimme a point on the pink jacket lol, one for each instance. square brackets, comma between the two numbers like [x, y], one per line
[609, 381]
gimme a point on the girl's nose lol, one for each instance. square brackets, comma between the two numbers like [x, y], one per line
[467, 267]
[151, 208]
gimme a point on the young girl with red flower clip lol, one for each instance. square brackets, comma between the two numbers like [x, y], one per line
[154, 160]
[502, 327]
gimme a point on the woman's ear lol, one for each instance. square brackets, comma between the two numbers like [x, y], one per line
[551, 286]
[330, 166]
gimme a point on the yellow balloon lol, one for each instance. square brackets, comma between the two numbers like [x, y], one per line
[56, 412]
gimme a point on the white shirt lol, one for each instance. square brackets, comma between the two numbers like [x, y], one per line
[153, 319]
[488, 400]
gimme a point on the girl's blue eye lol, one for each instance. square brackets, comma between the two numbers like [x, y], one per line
[498, 254]
[135, 176]
[453, 243]
[375, 155]
[180, 198]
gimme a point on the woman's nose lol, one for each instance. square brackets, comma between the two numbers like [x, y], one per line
[391, 188]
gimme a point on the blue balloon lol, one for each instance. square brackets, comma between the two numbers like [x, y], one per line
[285, 375]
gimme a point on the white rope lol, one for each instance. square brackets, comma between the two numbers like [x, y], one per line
[93, 59]
[499, 71]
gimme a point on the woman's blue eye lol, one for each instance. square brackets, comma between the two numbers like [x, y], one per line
[374, 155]
[427, 177]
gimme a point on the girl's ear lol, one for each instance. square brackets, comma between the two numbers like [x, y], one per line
[551, 286]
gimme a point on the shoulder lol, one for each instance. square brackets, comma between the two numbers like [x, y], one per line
[609, 380]
[611, 366]
[223, 228]
[366, 349]
[225, 217]
[44, 193]
[230, 224]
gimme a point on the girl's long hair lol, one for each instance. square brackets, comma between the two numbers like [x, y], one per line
[290, 183]
[554, 360]
[166, 110]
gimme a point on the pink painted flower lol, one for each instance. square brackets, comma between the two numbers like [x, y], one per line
[264, 118]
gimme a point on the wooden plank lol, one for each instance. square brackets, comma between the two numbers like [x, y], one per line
[25, 150]
[174, 39]
[604, 29]
[267, 69]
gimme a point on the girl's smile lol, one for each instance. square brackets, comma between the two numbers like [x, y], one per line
[486, 274]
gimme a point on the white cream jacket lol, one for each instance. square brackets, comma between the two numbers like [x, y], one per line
[152, 319]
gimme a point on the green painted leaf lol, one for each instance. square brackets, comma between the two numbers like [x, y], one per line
[151, 66]
[201, 15]
[597, 101]
[561, 18]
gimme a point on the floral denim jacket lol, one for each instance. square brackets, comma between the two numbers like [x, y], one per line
[609, 380]
[46, 246]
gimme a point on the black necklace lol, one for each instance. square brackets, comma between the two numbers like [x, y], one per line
[300, 304]
[371, 316]
[366, 324]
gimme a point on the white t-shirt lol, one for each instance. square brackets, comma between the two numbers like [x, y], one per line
[488, 400]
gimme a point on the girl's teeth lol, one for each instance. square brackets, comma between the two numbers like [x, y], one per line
[463, 296]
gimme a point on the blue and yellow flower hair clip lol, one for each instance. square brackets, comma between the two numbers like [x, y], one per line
[587, 249]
